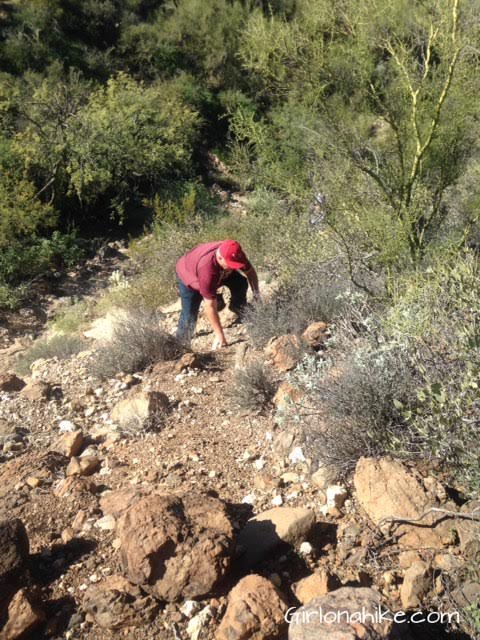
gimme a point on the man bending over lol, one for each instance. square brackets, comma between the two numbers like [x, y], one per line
[200, 272]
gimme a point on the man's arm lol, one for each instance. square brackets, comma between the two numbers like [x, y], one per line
[214, 319]
[252, 278]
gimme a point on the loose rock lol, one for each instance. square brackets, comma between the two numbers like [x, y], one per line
[176, 548]
[256, 610]
[139, 407]
[116, 603]
[25, 614]
[264, 532]
[285, 352]
[36, 391]
[10, 382]
[386, 488]
[306, 624]
[415, 585]
[70, 443]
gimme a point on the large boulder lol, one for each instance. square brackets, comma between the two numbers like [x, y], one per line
[14, 551]
[255, 611]
[116, 603]
[264, 532]
[175, 548]
[339, 616]
[139, 407]
[386, 488]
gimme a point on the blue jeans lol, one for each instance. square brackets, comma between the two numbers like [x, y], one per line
[191, 301]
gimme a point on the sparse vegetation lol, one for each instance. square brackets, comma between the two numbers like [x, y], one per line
[314, 292]
[253, 387]
[138, 341]
[59, 346]
[72, 318]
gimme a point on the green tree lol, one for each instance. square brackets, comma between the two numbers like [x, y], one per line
[129, 138]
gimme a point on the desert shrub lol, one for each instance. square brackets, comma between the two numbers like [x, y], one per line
[138, 340]
[402, 380]
[137, 426]
[314, 293]
[71, 318]
[357, 397]
[253, 387]
[438, 312]
[59, 346]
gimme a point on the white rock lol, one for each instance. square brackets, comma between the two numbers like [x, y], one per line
[296, 455]
[336, 496]
[277, 501]
[249, 499]
[197, 624]
[190, 608]
[259, 464]
[66, 426]
[107, 523]
[305, 549]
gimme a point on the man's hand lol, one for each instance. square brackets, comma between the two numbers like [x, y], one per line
[218, 343]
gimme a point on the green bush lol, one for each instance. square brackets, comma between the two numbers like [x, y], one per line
[351, 403]
[73, 317]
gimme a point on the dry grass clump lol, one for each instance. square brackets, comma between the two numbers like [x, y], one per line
[138, 341]
[253, 387]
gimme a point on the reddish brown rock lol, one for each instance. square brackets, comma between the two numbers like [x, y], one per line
[416, 583]
[70, 444]
[114, 503]
[10, 382]
[25, 615]
[14, 551]
[317, 584]
[86, 466]
[36, 391]
[116, 603]
[255, 611]
[469, 531]
[267, 530]
[285, 352]
[354, 603]
[175, 548]
[386, 488]
[315, 334]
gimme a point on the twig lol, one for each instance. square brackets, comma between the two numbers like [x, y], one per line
[453, 514]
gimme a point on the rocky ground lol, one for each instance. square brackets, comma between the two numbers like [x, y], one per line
[214, 523]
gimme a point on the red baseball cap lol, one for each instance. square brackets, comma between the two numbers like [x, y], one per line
[233, 254]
